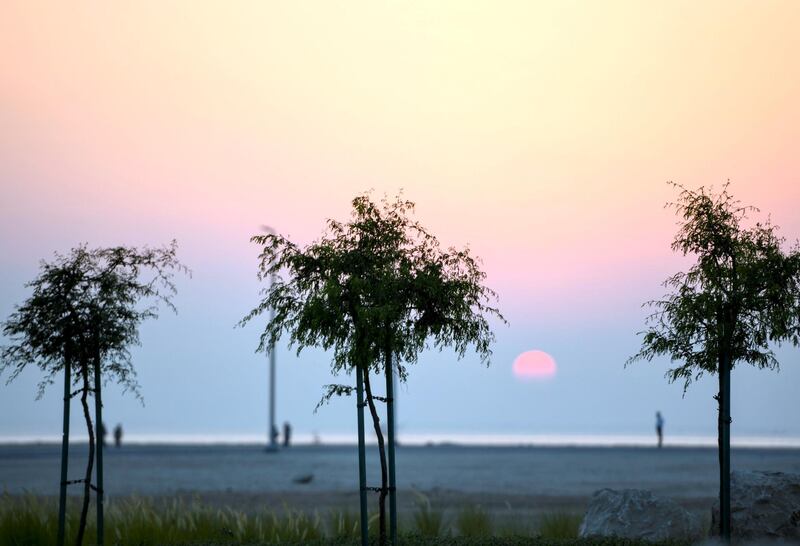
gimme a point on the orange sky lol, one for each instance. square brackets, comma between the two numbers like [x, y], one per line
[520, 112]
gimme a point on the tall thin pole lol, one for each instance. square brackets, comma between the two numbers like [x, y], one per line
[390, 435]
[272, 440]
[62, 497]
[99, 437]
[362, 456]
[725, 449]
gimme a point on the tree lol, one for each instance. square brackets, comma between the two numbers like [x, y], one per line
[739, 300]
[375, 290]
[84, 313]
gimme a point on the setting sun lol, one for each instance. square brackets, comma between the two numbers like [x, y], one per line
[534, 365]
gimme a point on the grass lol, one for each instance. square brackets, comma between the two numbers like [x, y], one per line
[473, 521]
[559, 526]
[30, 520]
[428, 521]
[343, 525]
[27, 521]
[137, 521]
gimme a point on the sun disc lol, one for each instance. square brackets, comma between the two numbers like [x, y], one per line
[534, 365]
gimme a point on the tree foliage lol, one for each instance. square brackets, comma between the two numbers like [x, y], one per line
[87, 300]
[380, 282]
[740, 298]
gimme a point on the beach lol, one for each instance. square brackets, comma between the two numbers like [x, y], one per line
[512, 483]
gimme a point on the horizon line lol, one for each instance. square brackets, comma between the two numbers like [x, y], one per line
[431, 439]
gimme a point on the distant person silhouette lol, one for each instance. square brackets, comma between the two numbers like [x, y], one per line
[287, 434]
[660, 428]
[103, 434]
[275, 435]
[118, 435]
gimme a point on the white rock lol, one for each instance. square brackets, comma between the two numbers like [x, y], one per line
[763, 505]
[637, 513]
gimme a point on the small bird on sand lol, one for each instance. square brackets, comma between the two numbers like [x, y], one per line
[305, 478]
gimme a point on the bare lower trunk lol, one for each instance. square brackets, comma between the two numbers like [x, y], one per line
[62, 497]
[725, 448]
[384, 478]
[720, 450]
[90, 463]
[390, 433]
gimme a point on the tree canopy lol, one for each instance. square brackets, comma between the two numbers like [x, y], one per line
[378, 283]
[87, 300]
[740, 298]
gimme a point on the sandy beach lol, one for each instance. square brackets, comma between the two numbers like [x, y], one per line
[512, 483]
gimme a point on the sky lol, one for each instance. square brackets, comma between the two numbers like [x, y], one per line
[540, 134]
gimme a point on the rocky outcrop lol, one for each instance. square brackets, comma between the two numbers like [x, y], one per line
[637, 514]
[763, 505]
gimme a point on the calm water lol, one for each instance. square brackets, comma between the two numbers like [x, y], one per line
[164, 469]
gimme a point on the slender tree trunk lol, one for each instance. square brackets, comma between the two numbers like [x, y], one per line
[98, 415]
[362, 463]
[391, 441]
[725, 447]
[87, 485]
[720, 449]
[62, 496]
[384, 475]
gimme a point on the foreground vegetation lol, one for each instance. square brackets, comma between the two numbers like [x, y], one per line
[32, 520]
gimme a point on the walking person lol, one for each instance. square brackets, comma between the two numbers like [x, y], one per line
[118, 435]
[287, 434]
[660, 428]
